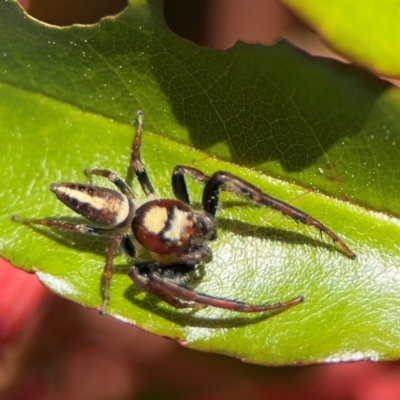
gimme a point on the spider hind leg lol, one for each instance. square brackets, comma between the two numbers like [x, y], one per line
[150, 276]
[143, 274]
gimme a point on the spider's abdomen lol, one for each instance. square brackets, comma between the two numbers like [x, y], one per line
[100, 205]
[164, 226]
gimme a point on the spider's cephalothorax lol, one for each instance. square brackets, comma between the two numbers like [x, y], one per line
[171, 230]
[172, 227]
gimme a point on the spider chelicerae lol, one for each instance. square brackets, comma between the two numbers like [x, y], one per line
[171, 230]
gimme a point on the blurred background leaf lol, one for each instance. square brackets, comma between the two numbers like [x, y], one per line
[366, 32]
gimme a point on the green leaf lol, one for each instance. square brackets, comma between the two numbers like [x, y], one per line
[366, 32]
[308, 126]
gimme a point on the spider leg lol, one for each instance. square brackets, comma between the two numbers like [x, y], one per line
[149, 286]
[65, 226]
[188, 294]
[129, 246]
[108, 270]
[149, 277]
[211, 199]
[136, 160]
[179, 184]
[117, 238]
[115, 179]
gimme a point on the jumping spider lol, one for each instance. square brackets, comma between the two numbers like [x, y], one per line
[171, 230]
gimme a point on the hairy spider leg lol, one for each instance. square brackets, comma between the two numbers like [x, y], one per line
[136, 159]
[211, 198]
[116, 239]
[108, 270]
[115, 179]
[179, 186]
[65, 226]
[141, 273]
[148, 277]
[230, 183]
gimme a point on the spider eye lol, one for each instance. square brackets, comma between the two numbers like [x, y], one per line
[205, 227]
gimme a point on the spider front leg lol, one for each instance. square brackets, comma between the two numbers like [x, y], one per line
[179, 184]
[219, 179]
[150, 276]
